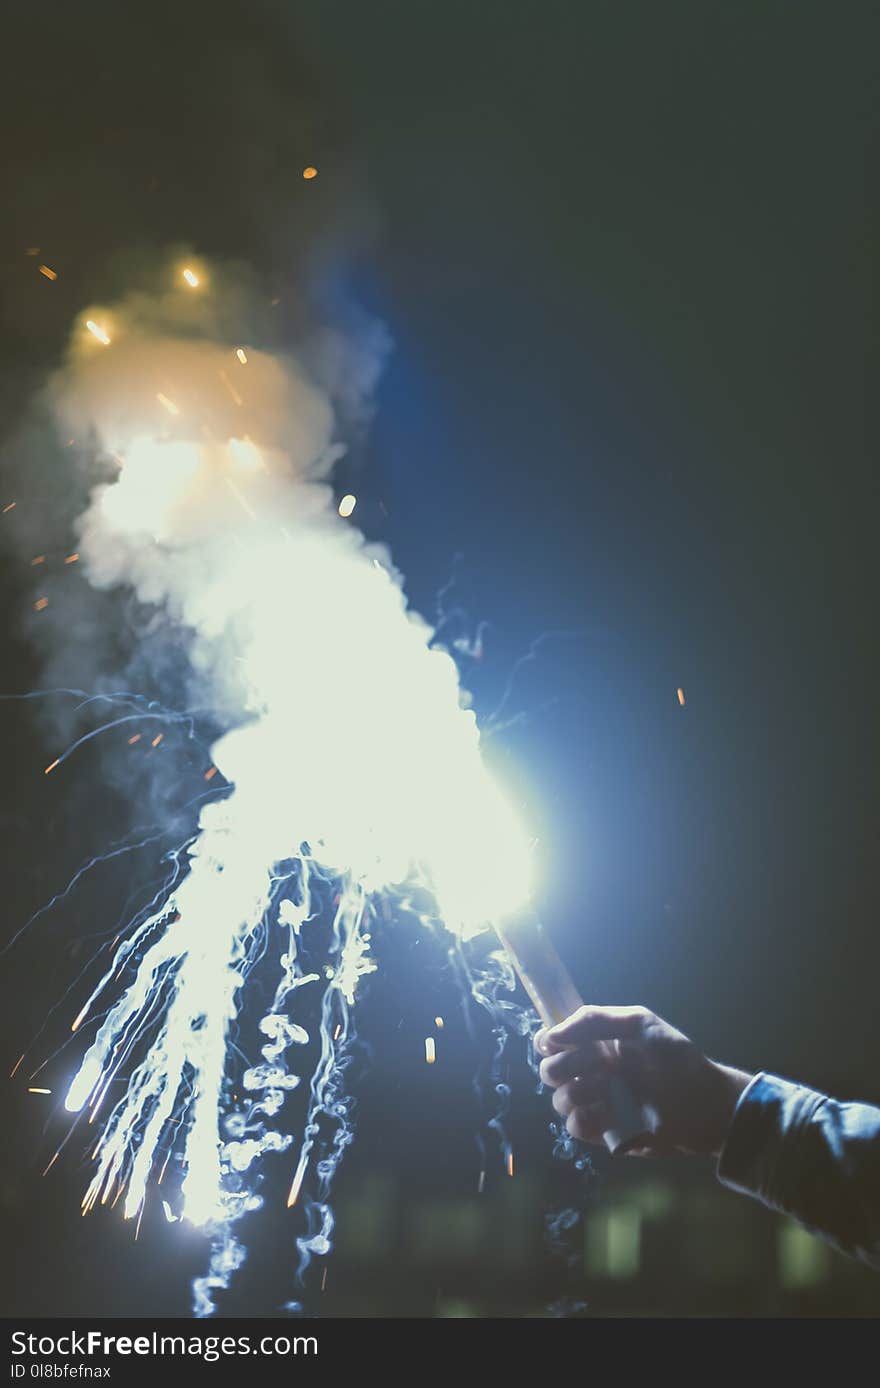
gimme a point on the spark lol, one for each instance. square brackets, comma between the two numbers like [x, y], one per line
[324, 1280]
[47, 273]
[52, 765]
[347, 505]
[135, 738]
[167, 404]
[438, 1023]
[80, 1017]
[210, 773]
[97, 332]
[510, 1163]
[231, 388]
[296, 1184]
[72, 559]
[157, 739]
[242, 355]
[191, 278]
[10, 507]
[52, 1162]
[16, 1065]
[38, 559]
[33, 1089]
[310, 172]
[248, 510]
[41, 604]
[430, 1050]
[680, 693]
[337, 1031]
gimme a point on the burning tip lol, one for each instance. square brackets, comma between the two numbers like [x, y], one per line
[157, 739]
[52, 765]
[310, 172]
[41, 604]
[510, 1163]
[680, 693]
[347, 505]
[47, 273]
[98, 332]
[191, 278]
[438, 1023]
[9, 507]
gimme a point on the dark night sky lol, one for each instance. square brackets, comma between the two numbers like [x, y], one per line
[626, 253]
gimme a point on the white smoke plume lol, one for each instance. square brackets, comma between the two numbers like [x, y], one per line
[347, 745]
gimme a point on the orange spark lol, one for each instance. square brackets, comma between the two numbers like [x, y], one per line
[510, 1163]
[75, 1024]
[52, 765]
[242, 355]
[34, 1090]
[52, 1162]
[680, 693]
[40, 604]
[38, 559]
[16, 1065]
[72, 559]
[136, 738]
[47, 273]
[211, 771]
[297, 1183]
[438, 1023]
[9, 507]
[231, 388]
[310, 172]
[157, 739]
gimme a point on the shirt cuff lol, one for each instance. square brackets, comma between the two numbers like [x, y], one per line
[769, 1115]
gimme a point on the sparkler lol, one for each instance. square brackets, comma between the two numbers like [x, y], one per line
[373, 783]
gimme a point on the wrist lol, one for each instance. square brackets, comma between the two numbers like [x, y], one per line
[730, 1084]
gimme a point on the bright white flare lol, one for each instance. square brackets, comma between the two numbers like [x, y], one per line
[352, 736]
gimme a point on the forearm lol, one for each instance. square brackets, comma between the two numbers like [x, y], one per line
[808, 1156]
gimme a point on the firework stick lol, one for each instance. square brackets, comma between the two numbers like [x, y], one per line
[555, 997]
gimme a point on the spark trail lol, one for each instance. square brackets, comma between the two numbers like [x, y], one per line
[350, 755]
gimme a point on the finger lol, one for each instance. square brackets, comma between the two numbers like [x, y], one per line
[577, 1093]
[595, 1024]
[564, 1065]
[588, 1122]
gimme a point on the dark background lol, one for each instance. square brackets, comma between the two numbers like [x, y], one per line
[626, 253]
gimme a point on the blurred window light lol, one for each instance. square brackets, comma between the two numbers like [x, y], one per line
[613, 1243]
[803, 1259]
